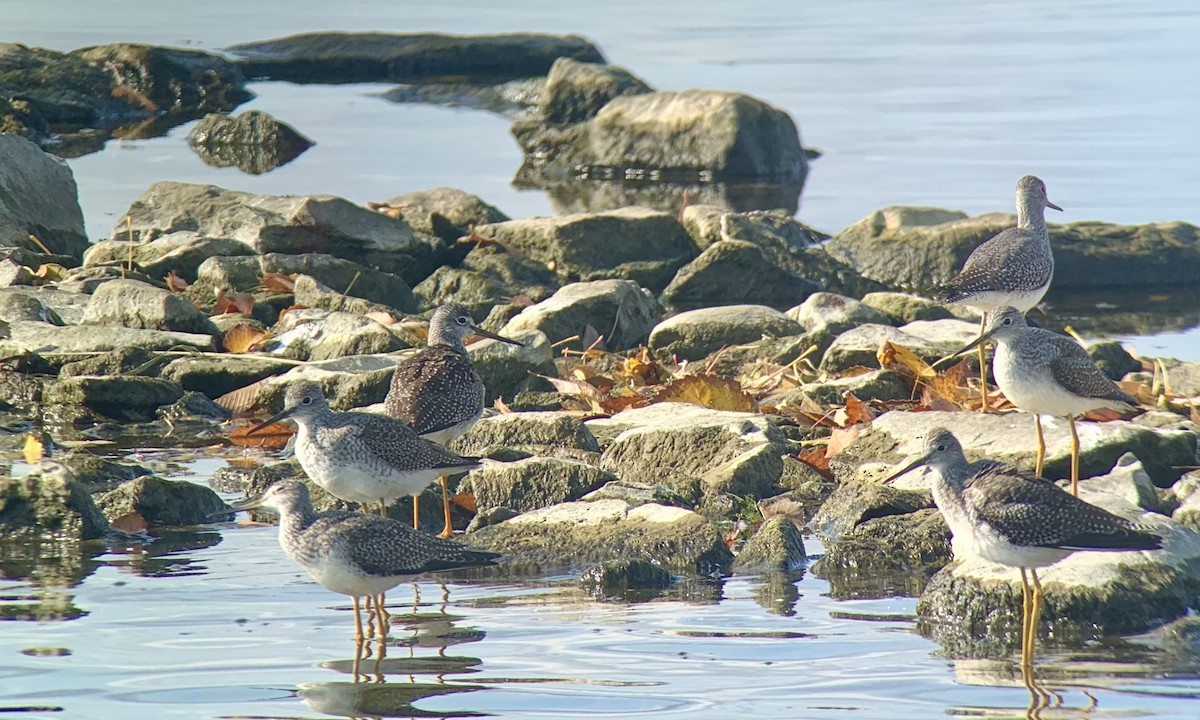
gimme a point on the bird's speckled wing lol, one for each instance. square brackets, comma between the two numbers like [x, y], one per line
[1079, 375]
[395, 444]
[1001, 264]
[383, 547]
[1035, 512]
[435, 389]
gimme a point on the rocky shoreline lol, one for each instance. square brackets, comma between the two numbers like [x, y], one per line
[697, 384]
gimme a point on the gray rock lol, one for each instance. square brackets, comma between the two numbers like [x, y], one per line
[49, 502]
[902, 308]
[635, 493]
[831, 309]
[172, 81]
[85, 280]
[349, 382]
[179, 252]
[490, 516]
[694, 334]
[885, 556]
[1010, 438]
[133, 304]
[131, 360]
[448, 213]
[510, 98]
[696, 452]
[285, 224]
[620, 310]
[874, 385]
[725, 134]
[638, 244]
[161, 502]
[579, 533]
[489, 276]
[17, 305]
[215, 375]
[84, 339]
[340, 57]
[731, 360]
[617, 578]
[532, 431]
[14, 274]
[921, 248]
[533, 483]
[98, 474]
[930, 340]
[253, 142]
[776, 545]
[122, 396]
[732, 272]
[853, 503]
[313, 334]
[191, 408]
[575, 91]
[312, 293]
[505, 369]
[1183, 377]
[1113, 359]
[38, 197]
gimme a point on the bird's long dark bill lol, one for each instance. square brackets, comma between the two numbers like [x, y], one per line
[907, 468]
[240, 506]
[271, 421]
[1052, 205]
[480, 331]
[983, 337]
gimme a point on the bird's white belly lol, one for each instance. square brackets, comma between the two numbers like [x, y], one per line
[989, 545]
[362, 483]
[443, 437]
[1034, 390]
[342, 578]
[991, 300]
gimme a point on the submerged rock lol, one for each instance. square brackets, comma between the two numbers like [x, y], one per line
[49, 502]
[159, 501]
[776, 545]
[886, 555]
[618, 577]
[253, 142]
[620, 310]
[580, 533]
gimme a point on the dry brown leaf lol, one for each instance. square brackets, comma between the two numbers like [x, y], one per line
[641, 369]
[242, 401]
[175, 283]
[711, 391]
[816, 459]
[130, 522]
[571, 387]
[244, 337]
[50, 272]
[33, 450]
[381, 317]
[1139, 390]
[893, 355]
[617, 403]
[731, 537]
[272, 437]
[278, 282]
[476, 240]
[839, 438]
[857, 411]
[288, 309]
[239, 302]
[466, 501]
[782, 506]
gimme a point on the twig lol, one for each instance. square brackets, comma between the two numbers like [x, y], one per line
[40, 244]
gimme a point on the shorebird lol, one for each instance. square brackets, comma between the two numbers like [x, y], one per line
[1045, 373]
[1016, 519]
[357, 554]
[437, 391]
[1012, 268]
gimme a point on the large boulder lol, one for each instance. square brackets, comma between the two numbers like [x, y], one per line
[581, 533]
[286, 224]
[170, 81]
[341, 57]
[646, 246]
[349, 382]
[179, 252]
[313, 334]
[49, 502]
[620, 310]
[38, 197]
[575, 91]
[448, 213]
[159, 501]
[90, 339]
[125, 397]
[253, 142]
[922, 248]
[489, 276]
[733, 272]
[694, 334]
[533, 483]
[133, 304]
[216, 375]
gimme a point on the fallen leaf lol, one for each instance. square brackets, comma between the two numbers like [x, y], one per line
[288, 309]
[239, 302]
[501, 407]
[466, 501]
[816, 459]
[34, 450]
[242, 401]
[617, 403]
[244, 337]
[175, 283]
[130, 522]
[857, 411]
[711, 391]
[381, 317]
[571, 387]
[839, 438]
[272, 437]
[892, 355]
[732, 536]
[277, 282]
[50, 272]
[476, 240]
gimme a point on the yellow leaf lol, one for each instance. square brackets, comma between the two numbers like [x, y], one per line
[34, 450]
[50, 272]
[711, 391]
[243, 337]
[891, 354]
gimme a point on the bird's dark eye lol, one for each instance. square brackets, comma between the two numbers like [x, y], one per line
[461, 320]
[1008, 321]
[307, 400]
[941, 448]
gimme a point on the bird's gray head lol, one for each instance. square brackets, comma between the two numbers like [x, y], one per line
[452, 323]
[303, 400]
[940, 450]
[1031, 195]
[280, 497]
[1002, 324]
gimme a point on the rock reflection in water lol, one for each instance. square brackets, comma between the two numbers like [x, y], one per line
[1122, 311]
[46, 567]
[374, 699]
[163, 555]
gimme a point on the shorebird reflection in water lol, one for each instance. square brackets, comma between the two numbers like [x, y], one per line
[357, 554]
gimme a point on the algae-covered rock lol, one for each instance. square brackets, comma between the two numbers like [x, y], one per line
[853, 503]
[215, 375]
[533, 483]
[580, 533]
[87, 339]
[119, 396]
[776, 545]
[886, 555]
[161, 502]
[133, 304]
[694, 334]
[826, 308]
[314, 334]
[170, 80]
[903, 308]
[627, 580]
[575, 91]
[532, 431]
[348, 382]
[51, 502]
[620, 310]
[489, 276]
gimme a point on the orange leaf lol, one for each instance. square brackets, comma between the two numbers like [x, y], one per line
[711, 391]
[33, 450]
[856, 410]
[732, 536]
[50, 272]
[892, 355]
[239, 302]
[466, 501]
[272, 437]
[243, 338]
[817, 460]
[277, 282]
[288, 309]
[175, 283]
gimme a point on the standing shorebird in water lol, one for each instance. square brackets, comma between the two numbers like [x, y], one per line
[1013, 268]
[1018, 520]
[1045, 373]
[357, 554]
[437, 391]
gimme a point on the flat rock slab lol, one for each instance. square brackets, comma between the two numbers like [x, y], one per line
[349, 382]
[1010, 438]
[342, 57]
[533, 483]
[535, 431]
[620, 310]
[694, 334]
[580, 533]
[85, 339]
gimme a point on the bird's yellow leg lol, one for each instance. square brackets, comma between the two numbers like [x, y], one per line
[358, 628]
[381, 617]
[983, 386]
[1026, 599]
[1074, 458]
[416, 512]
[1033, 628]
[1040, 461]
[382, 509]
[447, 531]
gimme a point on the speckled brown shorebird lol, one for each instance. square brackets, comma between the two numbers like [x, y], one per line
[357, 554]
[437, 391]
[1019, 520]
[1045, 373]
[1012, 268]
